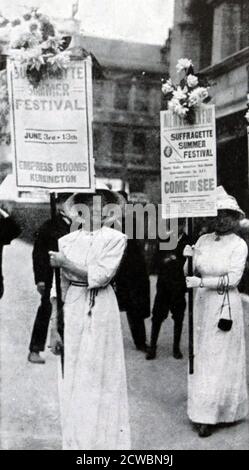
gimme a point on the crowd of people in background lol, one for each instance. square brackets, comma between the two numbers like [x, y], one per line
[103, 272]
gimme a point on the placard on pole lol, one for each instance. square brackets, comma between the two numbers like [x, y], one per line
[188, 164]
[51, 128]
[189, 177]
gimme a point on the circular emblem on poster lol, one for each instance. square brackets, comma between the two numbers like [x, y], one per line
[168, 151]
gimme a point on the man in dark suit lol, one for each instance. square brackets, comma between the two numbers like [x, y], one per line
[9, 230]
[133, 291]
[132, 285]
[46, 240]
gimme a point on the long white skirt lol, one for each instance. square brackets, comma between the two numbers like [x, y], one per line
[217, 391]
[93, 392]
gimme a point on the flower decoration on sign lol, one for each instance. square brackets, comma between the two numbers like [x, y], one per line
[184, 98]
[35, 43]
[247, 113]
[4, 107]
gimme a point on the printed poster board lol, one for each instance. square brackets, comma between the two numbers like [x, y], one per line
[188, 164]
[52, 129]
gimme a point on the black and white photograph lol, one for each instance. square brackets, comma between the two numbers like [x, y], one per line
[124, 228]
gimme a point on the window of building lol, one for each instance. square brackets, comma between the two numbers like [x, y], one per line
[97, 94]
[142, 98]
[118, 144]
[139, 143]
[121, 99]
[136, 185]
[232, 19]
[232, 28]
[96, 140]
[244, 24]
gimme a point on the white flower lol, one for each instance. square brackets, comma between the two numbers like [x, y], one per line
[33, 25]
[60, 60]
[21, 35]
[19, 55]
[183, 64]
[172, 104]
[167, 87]
[17, 35]
[34, 58]
[53, 42]
[247, 116]
[181, 111]
[197, 96]
[180, 93]
[5, 33]
[194, 99]
[192, 81]
[203, 93]
[175, 106]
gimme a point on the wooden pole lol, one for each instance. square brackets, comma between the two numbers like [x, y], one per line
[190, 305]
[60, 318]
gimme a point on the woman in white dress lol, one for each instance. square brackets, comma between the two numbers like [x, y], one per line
[217, 391]
[93, 390]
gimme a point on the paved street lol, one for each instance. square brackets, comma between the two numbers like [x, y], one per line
[29, 400]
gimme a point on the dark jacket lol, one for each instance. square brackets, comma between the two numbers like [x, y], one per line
[132, 282]
[9, 229]
[244, 282]
[46, 239]
[169, 264]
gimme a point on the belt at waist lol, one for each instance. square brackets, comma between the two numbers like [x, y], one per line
[79, 283]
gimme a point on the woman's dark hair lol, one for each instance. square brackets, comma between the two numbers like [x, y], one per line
[107, 197]
[62, 197]
[234, 214]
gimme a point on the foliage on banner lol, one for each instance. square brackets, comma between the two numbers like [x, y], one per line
[4, 108]
[192, 91]
[35, 43]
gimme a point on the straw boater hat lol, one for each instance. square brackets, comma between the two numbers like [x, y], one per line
[227, 202]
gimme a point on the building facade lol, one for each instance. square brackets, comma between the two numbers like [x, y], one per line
[127, 102]
[215, 35]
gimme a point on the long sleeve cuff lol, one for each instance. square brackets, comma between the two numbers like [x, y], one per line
[214, 282]
[4, 214]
